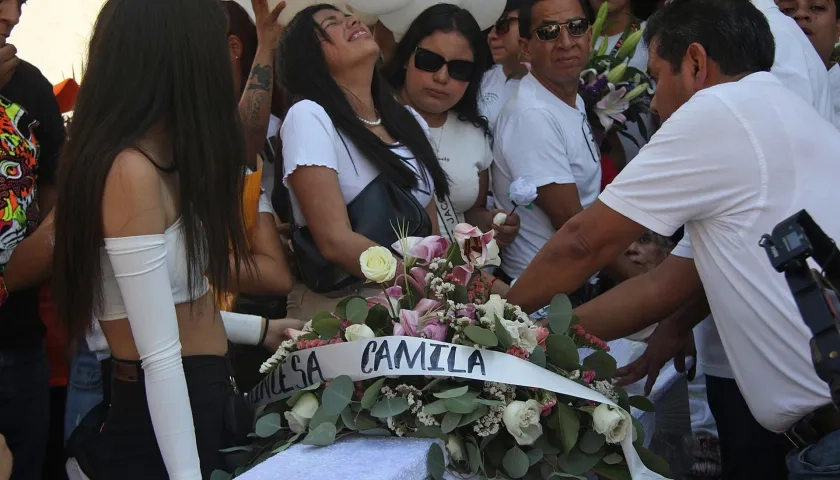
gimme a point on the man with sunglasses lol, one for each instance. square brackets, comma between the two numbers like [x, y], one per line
[499, 83]
[737, 153]
[542, 133]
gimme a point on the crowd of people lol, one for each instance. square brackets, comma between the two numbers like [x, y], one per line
[222, 173]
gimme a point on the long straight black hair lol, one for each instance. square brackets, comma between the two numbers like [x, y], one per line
[445, 17]
[303, 72]
[152, 62]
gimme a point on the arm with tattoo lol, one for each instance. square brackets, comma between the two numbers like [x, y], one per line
[255, 104]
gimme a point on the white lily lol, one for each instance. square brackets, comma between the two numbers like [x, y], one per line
[611, 107]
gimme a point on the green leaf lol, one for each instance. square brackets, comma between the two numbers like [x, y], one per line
[337, 395]
[378, 318]
[460, 294]
[341, 308]
[486, 441]
[450, 422]
[389, 407]
[654, 462]
[516, 463]
[475, 415]
[268, 425]
[562, 352]
[538, 357]
[504, 336]
[577, 462]
[426, 431]
[435, 408]
[474, 457]
[640, 432]
[642, 403]
[560, 314]
[481, 336]
[602, 362]
[435, 461]
[285, 446]
[357, 310]
[246, 448]
[613, 459]
[321, 436]
[325, 325]
[313, 387]
[376, 432]
[365, 422]
[490, 403]
[294, 398]
[534, 456]
[544, 444]
[349, 418]
[372, 393]
[464, 404]
[322, 416]
[591, 442]
[612, 471]
[568, 426]
[452, 393]
[220, 475]
[623, 399]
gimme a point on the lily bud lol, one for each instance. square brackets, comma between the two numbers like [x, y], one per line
[599, 20]
[629, 46]
[602, 50]
[640, 89]
[617, 73]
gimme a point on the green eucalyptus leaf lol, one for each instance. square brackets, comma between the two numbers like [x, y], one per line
[313, 387]
[349, 418]
[544, 444]
[577, 462]
[623, 399]
[490, 403]
[220, 475]
[505, 339]
[389, 407]
[473, 416]
[450, 422]
[285, 446]
[435, 461]
[341, 307]
[427, 431]
[613, 459]
[322, 416]
[337, 395]
[357, 310]
[372, 393]
[538, 357]
[376, 432]
[639, 439]
[321, 436]
[294, 398]
[486, 441]
[464, 404]
[560, 314]
[365, 422]
[591, 442]
[654, 462]
[481, 336]
[474, 457]
[435, 408]
[516, 463]
[603, 363]
[378, 318]
[246, 448]
[452, 393]
[562, 352]
[568, 426]
[612, 471]
[268, 425]
[534, 456]
[326, 325]
[642, 403]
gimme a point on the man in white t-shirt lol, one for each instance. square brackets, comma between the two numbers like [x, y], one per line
[500, 82]
[542, 133]
[737, 154]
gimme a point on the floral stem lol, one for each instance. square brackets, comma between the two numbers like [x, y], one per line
[388, 301]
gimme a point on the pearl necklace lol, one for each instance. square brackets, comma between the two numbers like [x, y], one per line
[371, 123]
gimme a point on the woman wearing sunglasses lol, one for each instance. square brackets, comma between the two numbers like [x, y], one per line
[345, 141]
[499, 83]
[437, 69]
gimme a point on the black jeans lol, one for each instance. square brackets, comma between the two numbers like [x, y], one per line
[127, 448]
[25, 409]
[747, 450]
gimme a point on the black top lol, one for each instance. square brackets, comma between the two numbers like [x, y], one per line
[31, 136]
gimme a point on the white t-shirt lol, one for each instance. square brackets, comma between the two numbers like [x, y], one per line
[711, 357]
[834, 84]
[797, 64]
[463, 151]
[310, 139]
[495, 91]
[730, 164]
[267, 180]
[546, 141]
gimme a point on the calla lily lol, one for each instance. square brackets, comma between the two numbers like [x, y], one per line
[611, 108]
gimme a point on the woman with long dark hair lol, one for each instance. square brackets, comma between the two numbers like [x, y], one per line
[346, 140]
[150, 189]
[437, 69]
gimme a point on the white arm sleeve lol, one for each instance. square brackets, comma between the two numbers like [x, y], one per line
[243, 329]
[139, 265]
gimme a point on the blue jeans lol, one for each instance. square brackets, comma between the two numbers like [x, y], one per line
[84, 388]
[818, 461]
[25, 409]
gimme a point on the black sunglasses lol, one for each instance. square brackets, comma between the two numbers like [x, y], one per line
[549, 31]
[429, 61]
[502, 25]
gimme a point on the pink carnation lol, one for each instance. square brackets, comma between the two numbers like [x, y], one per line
[518, 352]
[589, 376]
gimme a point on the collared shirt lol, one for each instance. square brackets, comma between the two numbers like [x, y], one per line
[730, 164]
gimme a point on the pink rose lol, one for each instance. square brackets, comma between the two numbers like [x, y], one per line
[434, 330]
[542, 334]
[429, 248]
[474, 245]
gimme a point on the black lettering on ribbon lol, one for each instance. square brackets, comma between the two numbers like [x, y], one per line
[450, 362]
[384, 353]
[434, 358]
[476, 360]
[295, 364]
[402, 352]
[369, 348]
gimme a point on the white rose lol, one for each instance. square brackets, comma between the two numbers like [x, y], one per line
[455, 447]
[495, 305]
[300, 415]
[358, 332]
[522, 420]
[527, 338]
[378, 264]
[512, 329]
[612, 422]
[522, 192]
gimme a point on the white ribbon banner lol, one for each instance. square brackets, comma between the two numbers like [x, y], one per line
[410, 356]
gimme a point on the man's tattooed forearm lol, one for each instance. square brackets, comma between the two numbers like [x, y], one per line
[260, 78]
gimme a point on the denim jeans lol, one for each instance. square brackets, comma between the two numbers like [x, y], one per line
[84, 388]
[25, 409]
[818, 461]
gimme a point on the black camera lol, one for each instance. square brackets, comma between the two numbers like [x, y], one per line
[789, 247]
